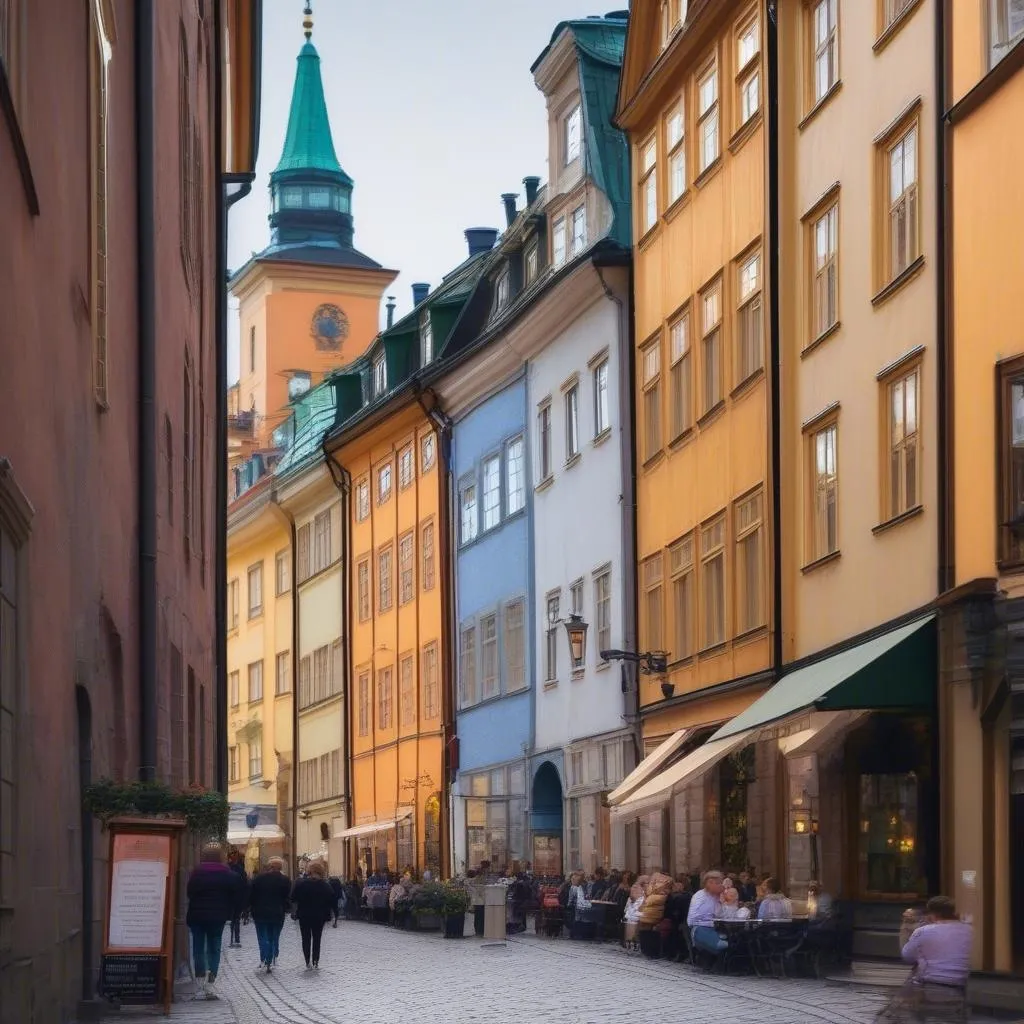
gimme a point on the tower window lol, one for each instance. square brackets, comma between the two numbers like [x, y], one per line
[319, 198]
[291, 196]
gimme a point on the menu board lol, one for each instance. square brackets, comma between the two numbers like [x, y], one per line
[547, 856]
[138, 892]
[133, 979]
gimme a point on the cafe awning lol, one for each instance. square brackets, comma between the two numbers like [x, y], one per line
[656, 793]
[649, 765]
[372, 827]
[812, 731]
[894, 670]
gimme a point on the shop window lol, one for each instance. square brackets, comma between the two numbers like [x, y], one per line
[889, 861]
[736, 775]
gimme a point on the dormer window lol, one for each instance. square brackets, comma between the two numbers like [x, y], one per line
[558, 243]
[573, 135]
[501, 292]
[380, 375]
[532, 265]
[579, 230]
[426, 339]
[673, 14]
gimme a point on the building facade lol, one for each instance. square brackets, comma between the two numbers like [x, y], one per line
[121, 550]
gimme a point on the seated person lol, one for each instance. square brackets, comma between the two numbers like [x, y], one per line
[730, 909]
[774, 906]
[747, 889]
[819, 903]
[700, 918]
[940, 949]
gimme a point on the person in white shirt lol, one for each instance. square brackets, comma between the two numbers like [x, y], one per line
[700, 918]
[729, 909]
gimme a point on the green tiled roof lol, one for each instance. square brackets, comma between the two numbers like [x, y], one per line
[313, 416]
[308, 145]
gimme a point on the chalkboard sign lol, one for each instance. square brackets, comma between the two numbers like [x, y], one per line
[133, 979]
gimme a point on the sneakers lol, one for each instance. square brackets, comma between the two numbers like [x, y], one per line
[200, 988]
[316, 965]
[211, 992]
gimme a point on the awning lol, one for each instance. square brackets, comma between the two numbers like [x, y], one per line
[816, 729]
[895, 670]
[648, 766]
[656, 794]
[237, 836]
[371, 827]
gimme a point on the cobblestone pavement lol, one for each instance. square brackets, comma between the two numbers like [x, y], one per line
[371, 974]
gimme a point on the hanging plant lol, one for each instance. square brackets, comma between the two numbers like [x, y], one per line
[205, 811]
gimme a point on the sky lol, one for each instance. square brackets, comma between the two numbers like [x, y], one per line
[434, 114]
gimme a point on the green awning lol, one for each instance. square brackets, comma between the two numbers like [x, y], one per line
[896, 670]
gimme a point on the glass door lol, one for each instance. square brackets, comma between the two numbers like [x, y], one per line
[889, 861]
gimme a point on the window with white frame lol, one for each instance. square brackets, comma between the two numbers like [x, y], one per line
[712, 577]
[711, 346]
[501, 291]
[551, 637]
[825, 42]
[385, 579]
[1005, 28]
[468, 518]
[579, 230]
[283, 572]
[427, 452]
[651, 382]
[364, 703]
[558, 242]
[234, 768]
[408, 691]
[321, 541]
[675, 143]
[824, 528]
[380, 375]
[651, 575]
[680, 564]
[681, 369]
[233, 604]
[283, 673]
[490, 682]
[406, 467]
[406, 568]
[255, 579]
[576, 598]
[467, 664]
[492, 492]
[255, 681]
[363, 587]
[572, 422]
[233, 689]
[431, 705]
[384, 483]
[426, 339]
[603, 609]
[363, 500]
[532, 264]
[749, 570]
[749, 347]
[544, 441]
[385, 698]
[748, 46]
[573, 135]
[825, 293]
[427, 556]
[648, 187]
[514, 620]
[256, 756]
[903, 213]
[602, 411]
[708, 117]
[515, 476]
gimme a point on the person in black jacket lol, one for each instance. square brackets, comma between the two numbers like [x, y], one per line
[339, 896]
[237, 864]
[269, 897]
[215, 895]
[313, 901]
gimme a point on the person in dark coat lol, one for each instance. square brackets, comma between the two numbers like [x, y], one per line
[215, 894]
[313, 901]
[237, 864]
[339, 896]
[269, 897]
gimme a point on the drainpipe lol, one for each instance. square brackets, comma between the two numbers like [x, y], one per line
[145, 142]
[943, 293]
[774, 329]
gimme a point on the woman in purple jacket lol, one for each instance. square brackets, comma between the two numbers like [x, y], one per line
[215, 895]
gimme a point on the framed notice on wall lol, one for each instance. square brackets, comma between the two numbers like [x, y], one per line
[139, 925]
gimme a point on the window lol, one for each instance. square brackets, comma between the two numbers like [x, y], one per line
[364, 703]
[825, 290]
[283, 673]
[824, 534]
[551, 638]
[576, 598]
[750, 604]
[252, 349]
[492, 492]
[903, 487]
[651, 361]
[406, 569]
[675, 142]
[427, 453]
[427, 555]
[99, 60]
[515, 645]
[234, 767]
[283, 572]
[903, 245]
[363, 500]
[384, 698]
[711, 346]
[321, 689]
[749, 347]
[384, 581]
[495, 816]
[468, 511]
[651, 574]
[826, 47]
[682, 375]
[255, 590]
[489, 680]
[256, 756]
[467, 665]
[431, 705]
[680, 563]
[406, 467]
[573, 135]
[748, 45]
[302, 548]
[380, 375]
[426, 338]
[321, 541]
[233, 604]
[648, 200]
[384, 483]
[1011, 462]
[544, 441]
[558, 242]
[532, 265]
[603, 609]
[602, 412]
[712, 565]
[894, 8]
[707, 117]
[1005, 27]
[255, 681]
[501, 290]
[579, 230]
[515, 476]
[408, 691]
[363, 586]
[572, 422]
[234, 696]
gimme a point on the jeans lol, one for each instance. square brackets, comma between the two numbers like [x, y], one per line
[707, 939]
[236, 928]
[206, 941]
[312, 932]
[268, 935]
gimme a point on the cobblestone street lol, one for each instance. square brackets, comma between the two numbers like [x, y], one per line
[375, 975]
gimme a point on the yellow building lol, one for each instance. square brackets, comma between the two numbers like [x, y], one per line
[982, 611]
[690, 100]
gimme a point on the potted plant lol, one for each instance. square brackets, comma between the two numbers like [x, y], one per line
[455, 907]
[428, 906]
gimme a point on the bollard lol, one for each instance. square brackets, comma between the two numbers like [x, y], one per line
[494, 913]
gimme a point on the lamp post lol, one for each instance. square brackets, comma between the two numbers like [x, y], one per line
[576, 629]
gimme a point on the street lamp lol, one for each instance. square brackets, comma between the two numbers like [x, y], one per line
[652, 663]
[576, 628]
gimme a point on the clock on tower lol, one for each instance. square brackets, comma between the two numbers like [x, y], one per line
[329, 327]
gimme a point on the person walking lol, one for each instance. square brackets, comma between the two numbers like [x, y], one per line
[237, 864]
[339, 896]
[313, 901]
[269, 897]
[215, 895]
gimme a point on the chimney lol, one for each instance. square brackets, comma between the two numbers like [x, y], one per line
[390, 307]
[480, 240]
[419, 292]
[532, 188]
[509, 199]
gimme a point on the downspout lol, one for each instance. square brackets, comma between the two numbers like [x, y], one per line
[294, 823]
[775, 331]
[145, 142]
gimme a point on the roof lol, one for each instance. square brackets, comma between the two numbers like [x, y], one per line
[328, 253]
[308, 145]
[313, 415]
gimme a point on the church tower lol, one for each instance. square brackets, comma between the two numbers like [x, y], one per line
[310, 301]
